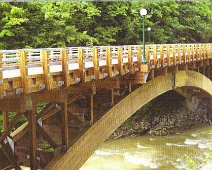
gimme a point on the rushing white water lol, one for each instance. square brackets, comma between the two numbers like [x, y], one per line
[189, 150]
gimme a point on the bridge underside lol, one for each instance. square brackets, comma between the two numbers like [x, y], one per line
[81, 150]
[74, 122]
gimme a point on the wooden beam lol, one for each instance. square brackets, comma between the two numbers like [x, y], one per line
[46, 136]
[5, 119]
[65, 62]
[96, 63]
[112, 97]
[24, 72]
[82, 88]
[155, 56]
[120, 61]
[91, 109]
[108, 58]
[10, 127]
[174, 54]
[179, 54]
[168, 55]
[46, 69]
[108, 83]
[130, 59]
[8, 153]
[81, 64]
[161, 55]
[65, 137]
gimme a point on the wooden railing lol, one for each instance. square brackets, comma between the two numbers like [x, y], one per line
[30, 70]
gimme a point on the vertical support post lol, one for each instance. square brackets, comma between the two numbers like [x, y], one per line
[46, 68]
[81, 64]
[139, 56]
[197, 52]
[65, 62]
[24, 72]
[108, 58]
[1, 78]
[147, 53]
[91, 110]
[174, 54]
[189, 53]
[112, 97]
[168, 55]
[130, 59]
[184, 55]
[96, 63]
[120, 61]
[33, 137]
[5, 119]
[203, 51]
[179, 54]
[155, 56]
[192, 51]
[65, 136]
[152, 74]
[130, 87]
[161, 55]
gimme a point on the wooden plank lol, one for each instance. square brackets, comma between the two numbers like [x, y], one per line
[33, 137]
[184, 55]
[189, 53]
[108, 58]
[108, 83]
[192, 51]
[82, 88]
[10, 127]
[174, 55]
[120, 61]
[130, 59]
[155, 56]
[24, 72]
[162, 55]
[139, 56]
[91, 110]
[179, 54]
[197, 52]
[147, 54]
[1, 78]
[65, 61]
[5, 119]
[46, 136]
[96, 63]
[65, 137]
[46, 69]
[81, 64]
[168, 55]
[8, 153]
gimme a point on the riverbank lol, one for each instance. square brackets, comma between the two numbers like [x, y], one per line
[171, 114]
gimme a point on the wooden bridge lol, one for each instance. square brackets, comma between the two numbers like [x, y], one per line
[87, 93]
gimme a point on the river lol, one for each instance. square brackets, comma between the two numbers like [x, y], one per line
[191, 149]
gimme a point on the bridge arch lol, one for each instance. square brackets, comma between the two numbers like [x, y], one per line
[77, 154]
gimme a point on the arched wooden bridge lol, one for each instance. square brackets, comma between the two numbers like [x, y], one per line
[87, 93]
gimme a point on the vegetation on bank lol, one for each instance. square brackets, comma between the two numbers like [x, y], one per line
[60, 24]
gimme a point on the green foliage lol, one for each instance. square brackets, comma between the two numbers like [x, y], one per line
[60, 24]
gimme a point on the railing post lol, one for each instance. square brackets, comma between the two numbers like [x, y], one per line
[46, 68]
[197, 52]
[162, 55]
[139, 56]
[120, 60]
[108, 61]
[147, 53]
[96, 63]
[168, 55]
[179, 54]
[189, 52]
[65, 62]
[81, 64]
[155, 56]
[24, 71]
[174, 54]
[192, 51]
[184, 55]
[130, 59]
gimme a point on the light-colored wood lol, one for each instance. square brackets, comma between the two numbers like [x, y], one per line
[162, 56]
[168, 55]
[96, 63]
[120, 61]
[179, 54]
[192, 51]
[189, 52]
[24, 72]
[184, 54]
[155, 56]
[46, 68]
[108, 58]
[65, 61]
[81, 64]
[130, 61]
[5, 119]
[174, 55]
[139, 56]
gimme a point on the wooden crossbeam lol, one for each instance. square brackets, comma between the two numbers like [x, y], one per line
[11, 125]
[8, 153]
